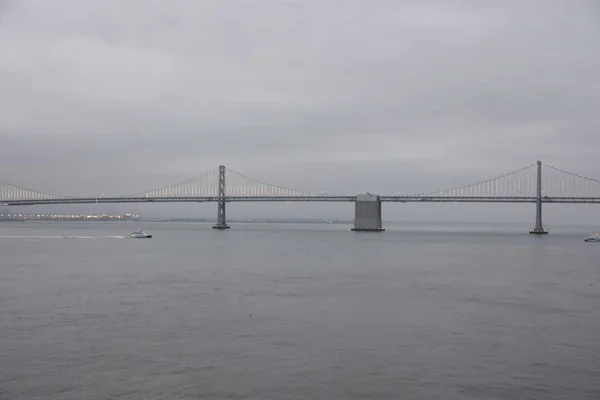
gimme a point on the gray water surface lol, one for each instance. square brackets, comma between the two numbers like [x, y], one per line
[296, 312]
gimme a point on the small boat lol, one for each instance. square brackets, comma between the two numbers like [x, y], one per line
[139, 234]
[593, 238]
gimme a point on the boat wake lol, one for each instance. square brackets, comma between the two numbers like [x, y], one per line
[62, 237]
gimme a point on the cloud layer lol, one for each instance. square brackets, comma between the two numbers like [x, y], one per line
[118, 96]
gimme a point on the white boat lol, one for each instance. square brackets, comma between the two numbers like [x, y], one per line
[593, 238]
[139, 234]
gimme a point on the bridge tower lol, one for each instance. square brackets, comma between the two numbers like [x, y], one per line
[539, 228]
[221, 217]
[367, 213]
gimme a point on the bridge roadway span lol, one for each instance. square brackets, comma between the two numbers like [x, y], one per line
[340, 199]
[367, 207]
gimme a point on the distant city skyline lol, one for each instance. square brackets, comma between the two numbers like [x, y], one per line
[431, 212]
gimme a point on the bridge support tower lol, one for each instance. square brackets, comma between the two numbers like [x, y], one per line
[367, 214]
[221, 216]
[539, 227]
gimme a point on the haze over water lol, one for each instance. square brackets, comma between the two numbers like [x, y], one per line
[284, 311]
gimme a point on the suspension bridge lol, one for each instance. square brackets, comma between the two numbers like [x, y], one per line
[536, 183]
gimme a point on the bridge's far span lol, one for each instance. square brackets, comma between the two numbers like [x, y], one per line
[221, 185]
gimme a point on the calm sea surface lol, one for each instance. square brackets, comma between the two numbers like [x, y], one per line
[297, 312]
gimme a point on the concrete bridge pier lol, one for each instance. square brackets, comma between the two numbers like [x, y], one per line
[539, 227]
[221, 217]
[367, 214]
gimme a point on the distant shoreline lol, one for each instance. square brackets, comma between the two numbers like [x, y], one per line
[307, 221]
[186, 220]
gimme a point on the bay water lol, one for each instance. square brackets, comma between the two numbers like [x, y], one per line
[297, 311]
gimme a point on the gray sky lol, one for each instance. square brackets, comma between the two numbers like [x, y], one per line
[122, 96]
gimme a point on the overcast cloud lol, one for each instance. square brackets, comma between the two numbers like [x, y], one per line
[121, 96]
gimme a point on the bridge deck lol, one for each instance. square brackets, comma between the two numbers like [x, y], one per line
[235, 199]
